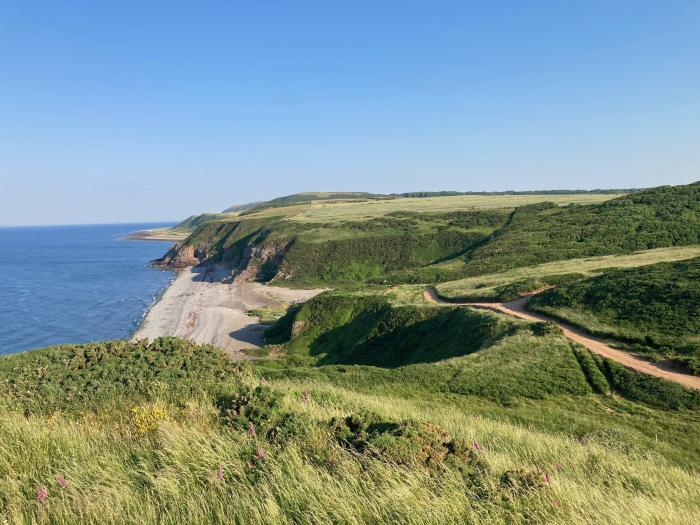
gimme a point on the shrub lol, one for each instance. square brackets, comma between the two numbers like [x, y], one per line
[146, 418]
[405, 443]
[261, 407]
[520, 482]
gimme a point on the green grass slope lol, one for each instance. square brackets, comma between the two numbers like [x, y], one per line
[655, 306]
[660, 217]
[499, 286]
[192, 222]
[317, 253]
[479, 353]
[172, 432]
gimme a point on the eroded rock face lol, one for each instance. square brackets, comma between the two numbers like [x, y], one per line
[181, 256]
[260, 261]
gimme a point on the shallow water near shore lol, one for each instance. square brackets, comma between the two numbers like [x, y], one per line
[75, 284]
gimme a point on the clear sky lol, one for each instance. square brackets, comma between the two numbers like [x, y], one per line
[135, 111]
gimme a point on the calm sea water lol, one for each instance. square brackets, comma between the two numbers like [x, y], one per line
[74, 284]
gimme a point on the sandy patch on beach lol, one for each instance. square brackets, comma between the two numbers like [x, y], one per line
[199, 307]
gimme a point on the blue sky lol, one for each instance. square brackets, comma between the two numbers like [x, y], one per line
[137, 111]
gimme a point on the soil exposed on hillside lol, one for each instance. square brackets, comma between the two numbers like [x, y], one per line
[516, 308]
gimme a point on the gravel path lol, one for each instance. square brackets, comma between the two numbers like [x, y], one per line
[516, 308]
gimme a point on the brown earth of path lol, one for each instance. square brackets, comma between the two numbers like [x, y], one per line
[516, 308]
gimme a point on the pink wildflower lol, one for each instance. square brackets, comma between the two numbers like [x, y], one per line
[220, 473]
[42, 494]
[477, 446]
[547, 477]
[61, 480]
[251, 430]
[558, 467]
[260, 454]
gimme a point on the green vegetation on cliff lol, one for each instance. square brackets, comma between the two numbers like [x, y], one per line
[656, 218]
[438, 239]
[657, 307]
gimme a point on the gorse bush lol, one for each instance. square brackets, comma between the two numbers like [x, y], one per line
[407, 443]
[76, 377]
[260, 410]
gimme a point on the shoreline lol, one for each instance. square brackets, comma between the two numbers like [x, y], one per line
[157, 234]
[199, 306]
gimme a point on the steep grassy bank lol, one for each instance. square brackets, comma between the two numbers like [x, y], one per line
[240, 449]
[660, 217]
[314, 253]
[502, 286]
[656, 307]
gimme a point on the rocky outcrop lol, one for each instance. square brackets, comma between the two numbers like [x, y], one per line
[261, 262]
[181, 256]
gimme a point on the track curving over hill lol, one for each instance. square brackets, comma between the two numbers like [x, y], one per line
[516, 308]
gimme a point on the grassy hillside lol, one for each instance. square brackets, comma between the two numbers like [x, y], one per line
[175, 433]
[660, 217]
[503, 286]
[312, 253]
[369, 405]
[438, 239]
[655, 306]
[196, 220]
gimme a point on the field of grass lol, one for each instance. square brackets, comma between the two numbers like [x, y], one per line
[151, 442]
[656, 218]
[360, 210]
[490, 287]
[656, 307]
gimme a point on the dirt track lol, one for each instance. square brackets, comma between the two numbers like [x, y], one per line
[516, 308]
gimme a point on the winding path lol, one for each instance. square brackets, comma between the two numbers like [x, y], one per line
[516, 308]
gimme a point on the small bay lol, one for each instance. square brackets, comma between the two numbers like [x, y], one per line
[75, 284]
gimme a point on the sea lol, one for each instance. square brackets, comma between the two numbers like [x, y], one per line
[75, 284]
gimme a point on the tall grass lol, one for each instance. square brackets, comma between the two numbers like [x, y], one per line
[117, 475]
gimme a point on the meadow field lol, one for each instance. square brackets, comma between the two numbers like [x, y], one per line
[358, 209]
[491, 287]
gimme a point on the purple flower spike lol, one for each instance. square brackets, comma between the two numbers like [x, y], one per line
[251, 430]
[220, 473]
[42, 494]
[477, 446]
[260, 454]
[547, 477]
[558, 467]
[61, 480]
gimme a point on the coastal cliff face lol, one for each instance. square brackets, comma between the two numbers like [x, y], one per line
[276, 248]
[181, 256]
[245, 248]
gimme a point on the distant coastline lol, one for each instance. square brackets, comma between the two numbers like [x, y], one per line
[156, 234]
